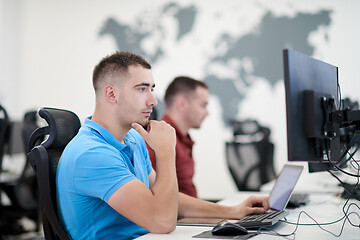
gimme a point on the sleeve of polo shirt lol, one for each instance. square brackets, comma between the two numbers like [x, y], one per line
[100, 172]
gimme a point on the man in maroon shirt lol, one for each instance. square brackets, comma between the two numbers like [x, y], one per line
[186, 102]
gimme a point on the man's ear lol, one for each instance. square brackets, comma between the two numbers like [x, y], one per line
[181, 102]
[110, 93]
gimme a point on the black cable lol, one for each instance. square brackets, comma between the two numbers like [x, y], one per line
[357, 176]
[345, 217]
[337, 168]
[351, 192]
[352, 155]
[312, 224]
[347, 173]
[344, 186]
[347, 149]
[271, 232]
[355, 161]
[346, 212]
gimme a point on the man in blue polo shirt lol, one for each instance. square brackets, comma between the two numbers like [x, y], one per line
[106, 186]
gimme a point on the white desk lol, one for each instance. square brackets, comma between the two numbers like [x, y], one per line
[323, 207]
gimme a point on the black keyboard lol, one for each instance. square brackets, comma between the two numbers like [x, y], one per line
[264, 219]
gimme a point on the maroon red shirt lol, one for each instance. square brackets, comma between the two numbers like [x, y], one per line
[184, 160]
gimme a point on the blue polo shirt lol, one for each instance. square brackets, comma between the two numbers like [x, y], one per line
[92, 167]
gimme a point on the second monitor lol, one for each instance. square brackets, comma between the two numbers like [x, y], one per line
[314, 114]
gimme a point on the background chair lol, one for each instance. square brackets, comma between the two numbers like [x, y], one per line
[4, 130]
[4, 134]
[21, 189]
[250, 155]
[62, 126]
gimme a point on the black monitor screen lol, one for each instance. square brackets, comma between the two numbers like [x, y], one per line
[308, 82]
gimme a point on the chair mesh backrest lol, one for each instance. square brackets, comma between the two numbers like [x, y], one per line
[243, 162]
[250, 156]
[63, 126]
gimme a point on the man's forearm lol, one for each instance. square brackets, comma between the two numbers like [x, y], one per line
[165, 188]
[163, 184]
[194, 207]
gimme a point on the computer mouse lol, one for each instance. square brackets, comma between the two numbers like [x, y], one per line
[229, 229]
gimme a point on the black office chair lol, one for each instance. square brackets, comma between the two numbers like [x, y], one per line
[250, 155]
[4, 133]
[21, 190]
[62, 126]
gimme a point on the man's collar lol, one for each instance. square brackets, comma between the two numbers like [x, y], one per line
[129, 140]
[183, 138]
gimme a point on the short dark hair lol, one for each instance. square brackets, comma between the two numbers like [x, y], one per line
[116, 64]
[182, 84]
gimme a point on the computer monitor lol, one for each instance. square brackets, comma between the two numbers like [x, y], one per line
[312, 98]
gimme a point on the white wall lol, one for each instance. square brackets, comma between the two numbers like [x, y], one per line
[49, 48]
